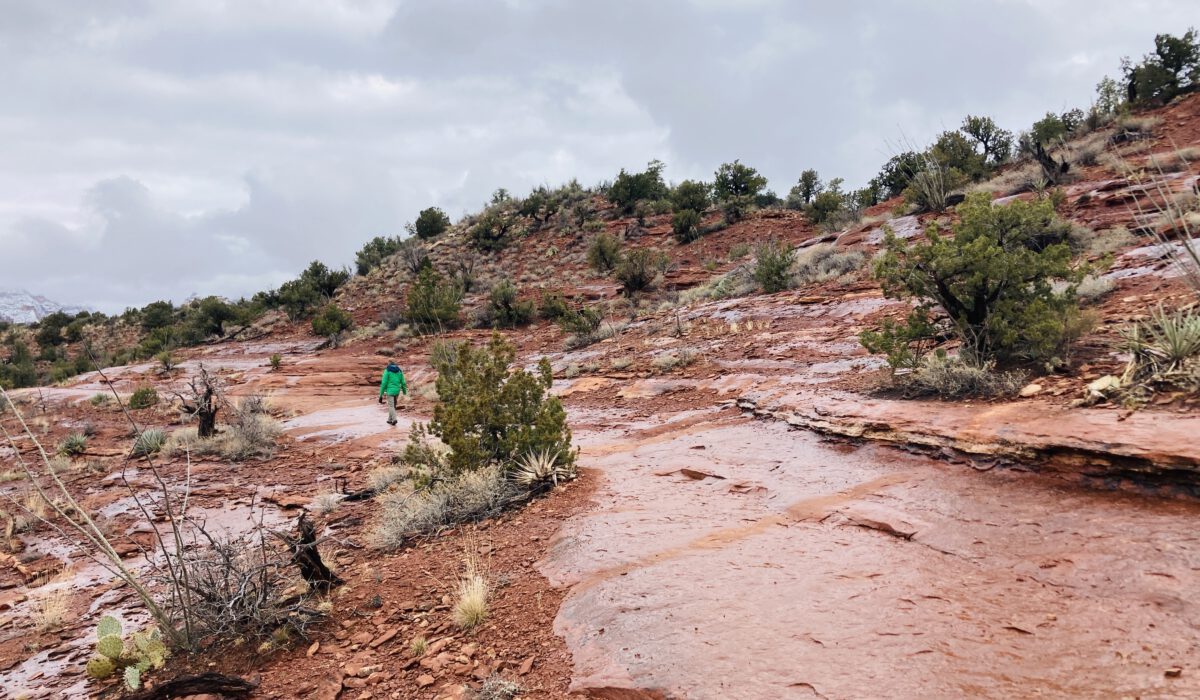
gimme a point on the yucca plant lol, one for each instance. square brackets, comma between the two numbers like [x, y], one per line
[73, 445]
[540, 468]
[1167, 339]
[149, 442]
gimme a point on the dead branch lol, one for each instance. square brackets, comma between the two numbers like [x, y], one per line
[210, 683]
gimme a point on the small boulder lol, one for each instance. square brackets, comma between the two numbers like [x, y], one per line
[1030, 390]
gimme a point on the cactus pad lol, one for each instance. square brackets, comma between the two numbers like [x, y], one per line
[110, 646]
[107, 626]
[99, 667]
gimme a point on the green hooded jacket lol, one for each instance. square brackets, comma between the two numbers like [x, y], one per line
[393, 382]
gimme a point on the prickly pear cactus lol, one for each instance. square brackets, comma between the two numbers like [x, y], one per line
[133, 677]
[108, 626]
[110, 646]
[100, 667]
[149, 649]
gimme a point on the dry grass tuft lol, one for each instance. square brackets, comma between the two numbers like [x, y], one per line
[471, 608]
[674, 359]
[826, 261]
[497, 688]
[418, 646]
[325, 503]
[1173, 161]
[380, 478]
[51, 610]
[950, 377]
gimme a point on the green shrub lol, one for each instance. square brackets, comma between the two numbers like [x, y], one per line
[630, 188]
[772, 262]
[276, 361]
[1048, 129]
[157, 314]
[98, 400]
[323, 279]
[553, 306]
[297, 298]
[604, 252]
[433, 301]
[539, 206]
[207, 317]
[993, 279]
[904, 344]
[331, 322]
[166, 360]
[954, 151]
[828, 202]
[583, 322]
[143, 397]
[686, 225]
[507, 310]
[430, 223]
[638, 269]
[374, 252]
[692, 195]
[20, 370]
[493, 231]
[489, 413]
[50, 329]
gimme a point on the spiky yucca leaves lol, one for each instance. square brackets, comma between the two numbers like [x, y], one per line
[1175, 336]
[1163, 345]
[541, 467]
[149, 442]
[73, 445]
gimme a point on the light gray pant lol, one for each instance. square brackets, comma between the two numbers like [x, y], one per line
[391, 404]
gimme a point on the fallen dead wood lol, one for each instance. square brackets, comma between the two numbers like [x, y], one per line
[306, 556]
[202, 684]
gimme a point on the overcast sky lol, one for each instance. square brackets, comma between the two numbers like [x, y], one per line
[153, 149]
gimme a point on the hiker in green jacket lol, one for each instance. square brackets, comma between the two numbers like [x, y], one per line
[390, 386]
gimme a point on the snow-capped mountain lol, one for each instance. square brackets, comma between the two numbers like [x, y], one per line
[23, 307]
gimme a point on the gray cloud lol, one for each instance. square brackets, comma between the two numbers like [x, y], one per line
[160, 149]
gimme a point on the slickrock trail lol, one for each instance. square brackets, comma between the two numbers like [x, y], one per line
[738, 558]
